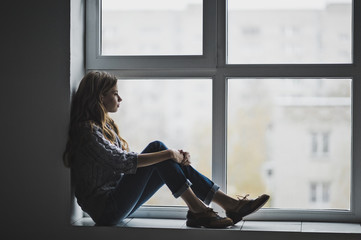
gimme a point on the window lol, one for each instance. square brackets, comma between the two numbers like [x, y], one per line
[268, 132]
[278, 87]
[320, 143]
[320, 194]
[171, 27]
[289, 31]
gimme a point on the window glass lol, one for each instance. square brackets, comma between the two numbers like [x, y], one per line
[290, 138]
[157, 27]
[175, 111]
[289, 31]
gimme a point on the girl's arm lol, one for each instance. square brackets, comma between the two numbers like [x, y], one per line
[147, 159]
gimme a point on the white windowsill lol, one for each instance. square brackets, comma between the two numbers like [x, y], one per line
[256, 226]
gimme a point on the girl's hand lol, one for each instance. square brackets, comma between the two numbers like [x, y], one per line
[186, 160]
[177, 156]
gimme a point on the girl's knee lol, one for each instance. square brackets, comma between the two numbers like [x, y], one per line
[158, 145]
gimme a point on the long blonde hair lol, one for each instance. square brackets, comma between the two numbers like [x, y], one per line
[87, 108]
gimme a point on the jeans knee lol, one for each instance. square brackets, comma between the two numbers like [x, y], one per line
[155, 146]
[159, 145]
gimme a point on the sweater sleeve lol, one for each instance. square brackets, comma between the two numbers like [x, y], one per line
[104, 152]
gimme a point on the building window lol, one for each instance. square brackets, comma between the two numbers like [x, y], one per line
[279, 83]
[320, 193]
[320, 143]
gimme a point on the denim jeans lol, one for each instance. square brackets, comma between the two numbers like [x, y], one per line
[135, 189]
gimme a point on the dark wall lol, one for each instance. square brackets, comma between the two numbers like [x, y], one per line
[34, 111]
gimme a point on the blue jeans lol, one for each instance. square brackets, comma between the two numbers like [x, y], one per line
[135, 189]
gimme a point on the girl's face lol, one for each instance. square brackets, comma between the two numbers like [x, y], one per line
[111, 99]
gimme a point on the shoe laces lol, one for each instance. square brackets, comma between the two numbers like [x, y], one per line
[211, 210]
[242, 197]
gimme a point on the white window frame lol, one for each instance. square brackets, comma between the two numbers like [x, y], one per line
[94, 59]
[212, 64]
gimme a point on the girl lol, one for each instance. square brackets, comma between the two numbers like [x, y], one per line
[112, 182]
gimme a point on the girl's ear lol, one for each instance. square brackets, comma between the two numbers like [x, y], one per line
[101, 98]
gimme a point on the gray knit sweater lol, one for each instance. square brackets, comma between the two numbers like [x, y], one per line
[97, 167]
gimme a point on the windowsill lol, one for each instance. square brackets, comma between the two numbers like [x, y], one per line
[243, 226]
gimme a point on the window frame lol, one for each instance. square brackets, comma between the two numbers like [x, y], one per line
[212, 64]
[94, 59]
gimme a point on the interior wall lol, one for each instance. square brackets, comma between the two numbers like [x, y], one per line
[40, 67]
[34, 95]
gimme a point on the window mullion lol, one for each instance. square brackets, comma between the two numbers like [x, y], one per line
[219, 129]
[219, 125]
[221, 33]
[290, 70]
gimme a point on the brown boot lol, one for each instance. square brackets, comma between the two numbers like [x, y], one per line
[208, 219]
[246, 207]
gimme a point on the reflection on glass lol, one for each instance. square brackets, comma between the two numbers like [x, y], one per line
[176, 112]
[290, 138]
[157, 27]
[289, 31]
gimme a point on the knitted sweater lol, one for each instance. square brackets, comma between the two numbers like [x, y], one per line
[97, 167]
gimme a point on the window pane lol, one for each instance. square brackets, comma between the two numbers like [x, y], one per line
[176, 112]
[290, 138]
[157, 27]
[289, 31]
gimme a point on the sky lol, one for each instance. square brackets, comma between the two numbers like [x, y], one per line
[234, 4]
